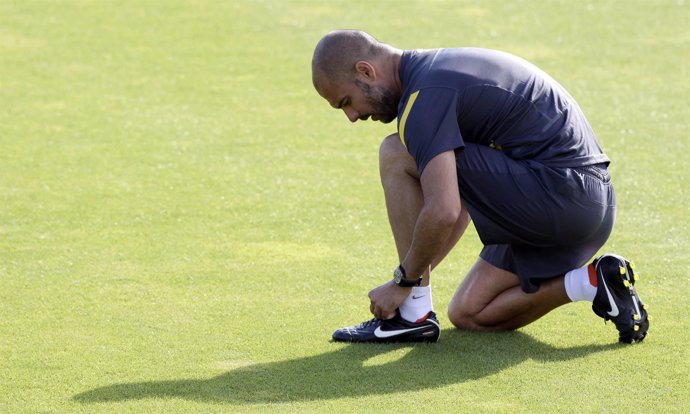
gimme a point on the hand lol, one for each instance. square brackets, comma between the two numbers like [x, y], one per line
[386, 298]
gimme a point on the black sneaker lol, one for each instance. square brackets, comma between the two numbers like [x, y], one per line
[617, 300]
[396, 329]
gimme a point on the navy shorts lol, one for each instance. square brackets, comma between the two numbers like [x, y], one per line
[535, 221]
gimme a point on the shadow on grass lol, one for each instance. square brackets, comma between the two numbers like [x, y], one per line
[459, 357]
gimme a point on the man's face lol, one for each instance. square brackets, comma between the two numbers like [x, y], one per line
[361, 101]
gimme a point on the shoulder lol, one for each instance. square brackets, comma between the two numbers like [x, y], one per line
[452, 67]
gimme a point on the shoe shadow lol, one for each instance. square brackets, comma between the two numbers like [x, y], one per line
[459, 357]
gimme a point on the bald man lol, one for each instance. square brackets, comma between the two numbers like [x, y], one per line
[486, 136]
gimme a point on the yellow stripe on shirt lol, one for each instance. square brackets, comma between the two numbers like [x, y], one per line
[403, 119]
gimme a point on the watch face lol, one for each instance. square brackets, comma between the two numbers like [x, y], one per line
[397, 275]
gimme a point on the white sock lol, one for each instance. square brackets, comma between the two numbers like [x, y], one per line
[418, 304]
[578, 285]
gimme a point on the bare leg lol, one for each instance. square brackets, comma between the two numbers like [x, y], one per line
[490, 299]
[404, 198]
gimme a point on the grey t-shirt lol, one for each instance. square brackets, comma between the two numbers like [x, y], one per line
[492, 98]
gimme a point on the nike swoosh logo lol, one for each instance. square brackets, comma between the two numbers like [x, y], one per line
[417, 297]
[379, 333]
[614, 308]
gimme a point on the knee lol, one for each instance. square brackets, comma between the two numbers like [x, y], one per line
[462, 320]
[394, 158]
[468, 316]
[459, 315]
[390, 148]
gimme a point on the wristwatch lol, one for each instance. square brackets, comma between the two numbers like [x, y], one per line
[400, 280]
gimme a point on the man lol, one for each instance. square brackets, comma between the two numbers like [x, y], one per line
[486, 136]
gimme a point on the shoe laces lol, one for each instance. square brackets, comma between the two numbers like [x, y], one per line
[369, 323]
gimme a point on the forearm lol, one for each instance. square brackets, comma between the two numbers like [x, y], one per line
[440, 221]
[434, 235]
[458, 230]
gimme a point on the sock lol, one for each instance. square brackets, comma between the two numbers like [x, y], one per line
[581, 284]
[417, 305]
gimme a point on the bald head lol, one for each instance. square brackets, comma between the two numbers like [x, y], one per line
[337, 53]
[358, 74]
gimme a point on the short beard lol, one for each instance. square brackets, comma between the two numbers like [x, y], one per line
[383, 101]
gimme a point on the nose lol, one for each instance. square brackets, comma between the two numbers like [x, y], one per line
[352, 115]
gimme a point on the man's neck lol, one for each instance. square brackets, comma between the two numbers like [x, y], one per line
[396, 58]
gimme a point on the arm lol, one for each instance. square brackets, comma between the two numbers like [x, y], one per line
[437, 228]
[439, 214]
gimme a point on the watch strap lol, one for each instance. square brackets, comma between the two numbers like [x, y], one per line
[401, 279]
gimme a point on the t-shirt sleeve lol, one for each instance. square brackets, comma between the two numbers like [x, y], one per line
[429, 124]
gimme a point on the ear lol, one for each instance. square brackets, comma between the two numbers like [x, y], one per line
[365, 69]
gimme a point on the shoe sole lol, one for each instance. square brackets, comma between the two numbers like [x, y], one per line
[429, 335]
[632, 327]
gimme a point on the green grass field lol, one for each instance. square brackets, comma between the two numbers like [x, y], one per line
[184, 221]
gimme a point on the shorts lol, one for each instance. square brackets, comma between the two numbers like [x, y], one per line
[535, 221]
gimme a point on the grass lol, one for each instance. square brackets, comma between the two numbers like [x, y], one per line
[184, 221]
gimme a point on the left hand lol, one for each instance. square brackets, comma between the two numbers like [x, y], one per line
[386, 298]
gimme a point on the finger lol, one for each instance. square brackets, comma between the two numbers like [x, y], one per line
[389, 315]
[378, 312]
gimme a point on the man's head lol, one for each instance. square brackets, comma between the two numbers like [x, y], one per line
[358, 74]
